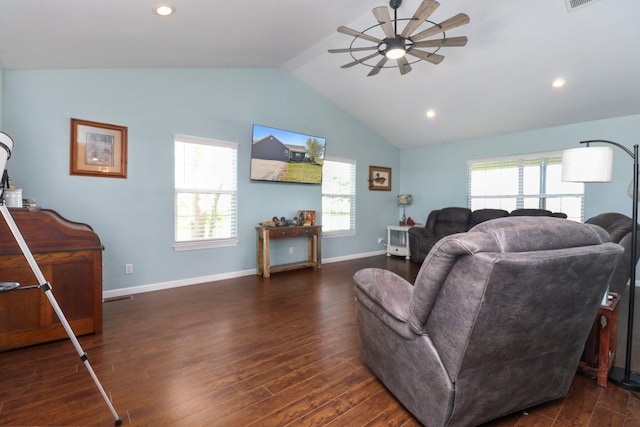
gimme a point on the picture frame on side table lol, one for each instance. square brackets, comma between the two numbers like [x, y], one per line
[379, 178]
[98, 149]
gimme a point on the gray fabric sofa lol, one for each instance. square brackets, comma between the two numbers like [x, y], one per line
[446, 221]
[619, 227]
[495, 322]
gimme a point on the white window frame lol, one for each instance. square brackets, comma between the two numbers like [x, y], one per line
[326, 231]
[232, 188]
[553, 157]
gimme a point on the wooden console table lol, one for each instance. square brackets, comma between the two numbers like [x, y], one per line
[69, 255]
[600, 349]
[265, 234]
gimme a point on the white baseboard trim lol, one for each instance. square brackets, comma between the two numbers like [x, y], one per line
[355, 256]
[174, 284]
[113, 293]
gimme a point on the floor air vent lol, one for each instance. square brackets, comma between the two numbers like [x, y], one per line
[578, 4]
[121, 298]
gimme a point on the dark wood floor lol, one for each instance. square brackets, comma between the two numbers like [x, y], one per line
[247, 351]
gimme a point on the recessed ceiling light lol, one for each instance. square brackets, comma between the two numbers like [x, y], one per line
[558, 83]
[431, 113]
[163, 10]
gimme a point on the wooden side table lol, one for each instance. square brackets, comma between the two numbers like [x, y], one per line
[264, 236]
[600, 349]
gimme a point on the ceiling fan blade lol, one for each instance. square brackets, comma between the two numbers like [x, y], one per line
[378, 66]
[452, 42]
[426, 8]
[453, 22]
[403, 65]
[434, 58]
[382, 15]
[352, 49]
[359, 61]
[354, 33]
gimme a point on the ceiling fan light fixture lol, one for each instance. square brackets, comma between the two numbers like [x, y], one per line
[395, 53]
[395, 48]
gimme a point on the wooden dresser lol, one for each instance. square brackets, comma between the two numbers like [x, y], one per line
[69, 255]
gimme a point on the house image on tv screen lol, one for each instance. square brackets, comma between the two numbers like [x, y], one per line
[283, 156]
[271, 148]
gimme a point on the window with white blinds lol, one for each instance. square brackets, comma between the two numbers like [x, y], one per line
[338, 197]
[526, 181]
[205, 192]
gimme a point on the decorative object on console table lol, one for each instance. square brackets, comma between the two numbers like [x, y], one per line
[264, 236]
[398, 241]
[307, 217]
[379, 178]
[404, 200]
[98, 149]
[70, 255]
[595, 164]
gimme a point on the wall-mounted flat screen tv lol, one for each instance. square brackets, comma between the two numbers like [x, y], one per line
[283, 156]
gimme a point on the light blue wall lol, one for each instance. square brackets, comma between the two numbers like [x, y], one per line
[134, 216]
[436, 175]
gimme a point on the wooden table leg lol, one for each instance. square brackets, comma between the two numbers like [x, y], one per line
[318, 251]
[260, 255]
[267, 256]
[603, 350]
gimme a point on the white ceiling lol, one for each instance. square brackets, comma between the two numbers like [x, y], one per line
[498, 83]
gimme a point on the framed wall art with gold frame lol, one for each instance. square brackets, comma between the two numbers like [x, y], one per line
[98, 149]
[379, 178]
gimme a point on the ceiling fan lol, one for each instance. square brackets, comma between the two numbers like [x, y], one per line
[397, 45]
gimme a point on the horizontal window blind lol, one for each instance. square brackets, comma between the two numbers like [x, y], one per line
[527, 181]
[338, 195]
[205, 190]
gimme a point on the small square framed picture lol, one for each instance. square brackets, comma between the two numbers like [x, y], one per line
[379, 178]
[98, 149]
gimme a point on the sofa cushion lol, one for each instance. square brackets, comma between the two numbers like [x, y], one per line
[482, 215]
[530, 212]
[452, 220]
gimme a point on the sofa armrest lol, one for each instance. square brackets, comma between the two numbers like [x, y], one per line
[387, 296]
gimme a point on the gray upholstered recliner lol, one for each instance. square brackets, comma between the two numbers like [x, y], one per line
[495, 322]
[619, 227]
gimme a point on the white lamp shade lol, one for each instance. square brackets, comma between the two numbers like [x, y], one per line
[587, 164]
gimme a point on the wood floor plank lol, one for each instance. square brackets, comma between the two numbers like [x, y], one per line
[314, 400]
[632, 416]
[365, 412]
[579, 405]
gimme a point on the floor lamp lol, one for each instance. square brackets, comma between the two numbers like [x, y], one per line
[6, 146]
[595, 164]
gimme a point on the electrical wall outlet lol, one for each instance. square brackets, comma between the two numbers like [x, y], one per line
[128, 268]
[290, 250]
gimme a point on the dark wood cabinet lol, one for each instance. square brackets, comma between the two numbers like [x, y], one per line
[69, 255]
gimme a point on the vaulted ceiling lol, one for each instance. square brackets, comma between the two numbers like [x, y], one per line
[500, 82]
